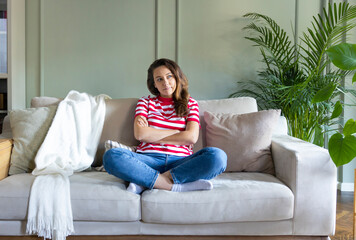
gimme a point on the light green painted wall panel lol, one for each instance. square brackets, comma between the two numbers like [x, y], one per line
[166, 29]
[32, 50]
[96, 46]
[306, 11]
[212, 50]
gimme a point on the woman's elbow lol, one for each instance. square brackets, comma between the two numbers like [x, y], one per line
[192, 139]
[138, 135]
[138, 138]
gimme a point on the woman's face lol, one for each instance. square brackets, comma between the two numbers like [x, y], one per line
[164, 81]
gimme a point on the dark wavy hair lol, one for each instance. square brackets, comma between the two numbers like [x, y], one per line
[181, 94]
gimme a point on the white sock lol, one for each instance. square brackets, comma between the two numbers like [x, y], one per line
[133, 187]
[192, 186]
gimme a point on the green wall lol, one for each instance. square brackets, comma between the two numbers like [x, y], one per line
[106, 46]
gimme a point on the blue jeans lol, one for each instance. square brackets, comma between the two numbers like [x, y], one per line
[143, 168]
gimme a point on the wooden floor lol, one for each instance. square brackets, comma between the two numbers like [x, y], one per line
[344, 216]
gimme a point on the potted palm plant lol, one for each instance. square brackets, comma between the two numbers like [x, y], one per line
[296, 74]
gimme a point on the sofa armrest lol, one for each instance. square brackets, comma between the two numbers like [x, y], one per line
[5, 154]
[310, 173]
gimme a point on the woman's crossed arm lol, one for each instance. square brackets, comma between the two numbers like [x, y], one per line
[144, 133]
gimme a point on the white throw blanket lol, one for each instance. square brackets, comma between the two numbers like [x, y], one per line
[70, 146]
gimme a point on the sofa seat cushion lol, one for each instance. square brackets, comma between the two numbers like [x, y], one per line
[95, 196]
[236, 197]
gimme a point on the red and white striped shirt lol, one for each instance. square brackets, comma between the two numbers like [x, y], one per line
[160, 114]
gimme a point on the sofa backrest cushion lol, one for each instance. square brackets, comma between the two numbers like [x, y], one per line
[118, 125]
[120, 113]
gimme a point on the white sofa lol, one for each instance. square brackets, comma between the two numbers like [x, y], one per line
[299, 200]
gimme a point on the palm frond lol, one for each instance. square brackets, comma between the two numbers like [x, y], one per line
[269, 36]
[324, 33]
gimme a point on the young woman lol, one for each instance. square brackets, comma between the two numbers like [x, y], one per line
[167, 125]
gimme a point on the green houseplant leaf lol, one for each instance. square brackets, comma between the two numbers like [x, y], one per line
[342, 149]
[337, 110]
[318, 136]
[343, 56]
[325, 93]
[350, 128]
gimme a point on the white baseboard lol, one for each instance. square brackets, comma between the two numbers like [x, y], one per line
[345, 187]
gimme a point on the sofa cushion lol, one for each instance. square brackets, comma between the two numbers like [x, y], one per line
[119, 118]
[45, 101]
[238, 105]
[95, 196]
[118, 125]
[236, 197]
[109, 144]
[246, 139]
[29, 128]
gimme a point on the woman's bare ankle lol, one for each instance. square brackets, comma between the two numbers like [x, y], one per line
[164, 181]
[168, 175]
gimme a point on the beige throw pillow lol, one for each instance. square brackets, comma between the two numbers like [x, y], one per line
[246, 139]
[109, 144]
[29, 128]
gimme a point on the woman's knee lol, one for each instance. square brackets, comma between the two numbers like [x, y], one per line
[112, 158]
[218, 158]
[108, 159]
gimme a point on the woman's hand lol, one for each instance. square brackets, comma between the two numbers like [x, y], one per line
[142, 121]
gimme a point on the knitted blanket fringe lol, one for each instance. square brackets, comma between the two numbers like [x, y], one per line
[46, 227]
